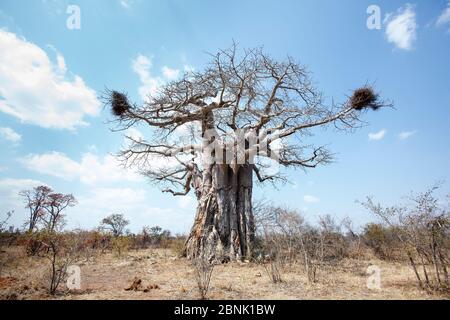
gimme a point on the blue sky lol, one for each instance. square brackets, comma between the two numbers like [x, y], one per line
[54, 130]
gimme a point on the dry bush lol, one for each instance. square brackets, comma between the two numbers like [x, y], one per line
[321, 246]
[154, 236]
[150, 237]
[87, 244]
[121, 245]
[276, 231]
[203, 272]
[423, 230]
[177, 245]
[383, 240]
[92, 242]
[279, 239]
[165, 242]
[100, 241]
[334, 241]
[61, 251]
[4, 239]
[284, 238]
[274, 269]
[312, 251]
[356, 248]
[35, 243]
[142, 240]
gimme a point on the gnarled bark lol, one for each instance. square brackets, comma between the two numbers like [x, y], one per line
[224, 228]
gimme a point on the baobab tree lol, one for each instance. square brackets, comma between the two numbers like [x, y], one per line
[215, 130]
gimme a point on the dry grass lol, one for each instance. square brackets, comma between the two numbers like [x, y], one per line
[107, 277]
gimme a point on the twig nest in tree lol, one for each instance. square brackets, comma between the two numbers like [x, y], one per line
[364, 98]
[119, 103]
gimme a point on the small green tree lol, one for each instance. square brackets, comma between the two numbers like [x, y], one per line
[115, 223]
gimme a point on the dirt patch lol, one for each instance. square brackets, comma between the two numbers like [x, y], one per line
[7, 282]
[160, 274]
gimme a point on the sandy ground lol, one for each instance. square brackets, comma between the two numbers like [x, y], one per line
[106, 277]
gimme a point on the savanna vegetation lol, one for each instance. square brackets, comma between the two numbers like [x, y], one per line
[410, 244]
[241, 111]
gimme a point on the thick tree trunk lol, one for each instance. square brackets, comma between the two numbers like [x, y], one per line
[223, 229]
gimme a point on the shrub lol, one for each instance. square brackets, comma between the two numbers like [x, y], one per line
[203, 272]
[273, 269]
[383, 241]
[60, 249]
[177, 245]
[120, 245]
[4, 239]
[285, 238]
[35, 243]
[423, 229]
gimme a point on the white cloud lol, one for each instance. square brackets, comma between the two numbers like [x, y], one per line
[188, 68]
[95, 169]
[55, 7]
[444, 18]
[401, 27]
[406, 134]
[10, 134]
[170, 74]
[377, 135]
[125, 3]
[142, 65]
[310, 199]
[14, 186]
[117, 198]
[55, 164]
[92, 169]
[128, 4]
[92, 148]
[36, 90]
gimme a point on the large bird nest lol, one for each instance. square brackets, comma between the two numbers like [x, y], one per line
[365, 97]
[119, 103]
